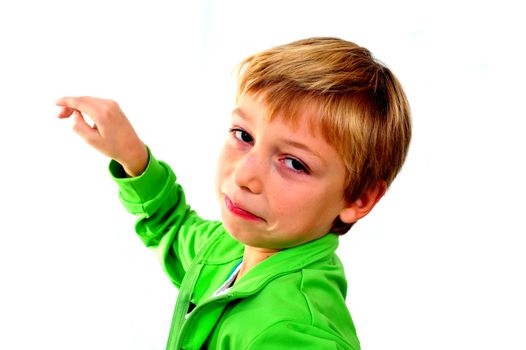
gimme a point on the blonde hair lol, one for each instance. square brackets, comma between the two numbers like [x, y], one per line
[361, 108]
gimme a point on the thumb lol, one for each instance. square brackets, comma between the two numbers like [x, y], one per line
[82, 128]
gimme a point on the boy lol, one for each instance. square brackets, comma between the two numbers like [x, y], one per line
[319, 131]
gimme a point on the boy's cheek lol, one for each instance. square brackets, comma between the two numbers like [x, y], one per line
[224, 168]
[228, 156]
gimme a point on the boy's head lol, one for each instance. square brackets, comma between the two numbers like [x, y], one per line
[360, 107]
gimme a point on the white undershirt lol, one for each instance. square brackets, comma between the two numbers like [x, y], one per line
[228, 283]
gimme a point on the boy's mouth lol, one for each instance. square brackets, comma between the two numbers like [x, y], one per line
[233, 208]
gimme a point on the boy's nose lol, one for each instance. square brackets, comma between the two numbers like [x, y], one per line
[247, 174]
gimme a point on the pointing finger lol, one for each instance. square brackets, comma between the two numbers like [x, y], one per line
[86, 104]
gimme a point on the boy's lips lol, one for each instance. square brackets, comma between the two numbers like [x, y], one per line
[232, 207]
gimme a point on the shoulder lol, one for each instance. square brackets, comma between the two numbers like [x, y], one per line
[317, 295]
[298, 335]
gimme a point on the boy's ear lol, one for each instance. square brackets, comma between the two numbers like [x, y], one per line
[364, 204]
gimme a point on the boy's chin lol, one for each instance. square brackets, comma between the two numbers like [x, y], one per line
[257, 234]
[252, 239]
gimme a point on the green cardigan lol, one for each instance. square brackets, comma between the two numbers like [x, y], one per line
[295, 299]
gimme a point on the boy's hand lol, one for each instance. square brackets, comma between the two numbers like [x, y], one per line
[112, 134]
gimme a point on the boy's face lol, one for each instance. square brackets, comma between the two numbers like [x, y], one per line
[278, 185]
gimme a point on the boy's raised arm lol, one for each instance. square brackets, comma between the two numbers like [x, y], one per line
[112, 134]
[165, 221]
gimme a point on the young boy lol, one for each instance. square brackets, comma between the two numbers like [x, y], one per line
[319, 131]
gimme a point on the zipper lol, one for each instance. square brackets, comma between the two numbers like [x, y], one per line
[207, 304]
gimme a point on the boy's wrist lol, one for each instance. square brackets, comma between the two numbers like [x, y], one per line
[144, 187]
[136, 162]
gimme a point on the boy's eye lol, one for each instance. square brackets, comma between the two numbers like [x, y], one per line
[242, 135]
[295, 165]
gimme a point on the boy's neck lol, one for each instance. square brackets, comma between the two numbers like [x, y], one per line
[253, 256]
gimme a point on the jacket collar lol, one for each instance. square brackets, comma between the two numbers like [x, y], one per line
[287, 261]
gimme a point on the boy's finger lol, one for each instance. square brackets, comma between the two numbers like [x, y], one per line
[83, 129]
[86, 104]
[65, 112]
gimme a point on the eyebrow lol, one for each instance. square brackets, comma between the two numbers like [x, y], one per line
[238, 111]
[303, 147]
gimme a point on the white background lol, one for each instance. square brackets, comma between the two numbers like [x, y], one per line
[439, 264]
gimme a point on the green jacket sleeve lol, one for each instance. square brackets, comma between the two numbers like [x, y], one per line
[165, 222]
[295, 336]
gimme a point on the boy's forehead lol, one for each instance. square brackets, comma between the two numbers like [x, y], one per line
[294, 114]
